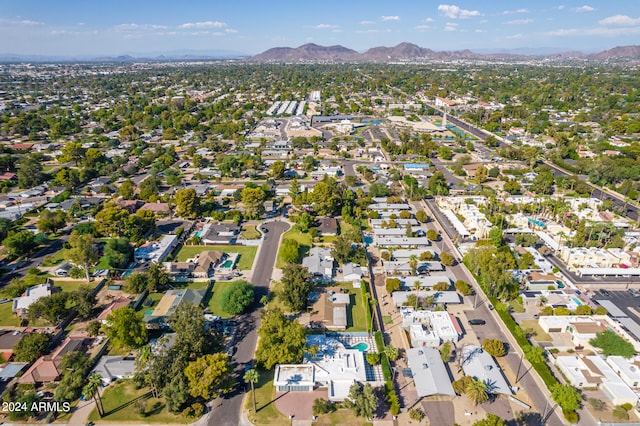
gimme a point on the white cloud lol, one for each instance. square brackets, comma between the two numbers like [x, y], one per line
[519, 22]
[204, 24]
[514, 36]
[24, 22]
[139, 27]
[513, 12]
[423, 27]
[597, 31]
[559, 7]
[585, 8]
[367, 22]
[324, 27]
[454, 12]
[480, 31]
[390, 18]
[450, 26]
[427, 20]
[373, 31]
[620, 20]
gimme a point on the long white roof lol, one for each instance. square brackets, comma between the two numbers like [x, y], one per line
[429, 372]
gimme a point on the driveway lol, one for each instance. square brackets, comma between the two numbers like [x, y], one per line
[227, 411]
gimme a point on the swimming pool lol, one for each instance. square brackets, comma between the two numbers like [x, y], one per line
[362, 347]
[198, 234]
[227, 264]
[577, 301]
[149, 312]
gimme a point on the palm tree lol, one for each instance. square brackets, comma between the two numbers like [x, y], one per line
[252, 377]
[92, 390]
[413, 263]
[477, 391]
[372, 303]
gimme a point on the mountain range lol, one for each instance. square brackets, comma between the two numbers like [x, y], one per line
[408, 51]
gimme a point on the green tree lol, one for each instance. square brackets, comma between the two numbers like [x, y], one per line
[445, 351]
[534, 354]
[20, 243]
[157, 277]
[127, 189]
[463, 288]
[567, 397]
[342, 250]
[432, 235]
[30, 172]
[296, 285]
[277, 170]
[543, 183]
[253, 200]
[118, 252]
[446, 259]
[373, 358]
[361, 400]
[512, 186]
[289, 251]
[237, 297]
[187, 203]
[135, 283]
[437, 184]
[209, 376]
[31, 347]
[496, 236]
[52, 308]
[187, 321]
[252, 377]
[612, 344]
[304, 221]
[74, 367]
[477, 391]
[490, 420]
[281, 341]
[421, 216]
[441, 286]
[125, 328]
[391, 352]
[82, 251]
[51, 222]
[72, 151]
[92, 390]
[393, 284]
[494, 347]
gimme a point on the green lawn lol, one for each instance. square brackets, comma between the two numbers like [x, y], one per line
[56, 258]
[342, 417]
[120, 405]
[69, 286]
[249, 232]
[215, 300]
[539, 334]
[155, 297]
[245, 260]
[267, 413]
[304, 240]
[7, 318]
[517, 306]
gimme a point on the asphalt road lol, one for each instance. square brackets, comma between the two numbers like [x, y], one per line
[227, 411]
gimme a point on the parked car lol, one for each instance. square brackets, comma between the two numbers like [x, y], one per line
[634, 292]
[477, 321]
[604, 293]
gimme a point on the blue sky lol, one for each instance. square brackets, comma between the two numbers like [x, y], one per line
[87, 27]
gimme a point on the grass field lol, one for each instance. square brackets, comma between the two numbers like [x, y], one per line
[245, 260]
[215, 300]
[7, 318]
[249, 232]
[540, 334]
[304, 240]
[120, 402]
[69, 286]
[342, 417]
[155, 297]
[267, 413]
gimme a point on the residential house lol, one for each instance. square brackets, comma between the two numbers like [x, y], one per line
[159, 209]
[156, 251]
[207, 261]
[429, 372]
[329, 311]
[170, 301]
[593, 372]
[112, 368]
[327, 226]
[31, 294]
[319, 263]
[220, 233]
[352, 272]
[63, 269]
[627, 369]
[481, 366]
[8, 340]
[46, 368]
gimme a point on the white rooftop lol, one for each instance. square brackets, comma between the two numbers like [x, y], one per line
[429, 372]
[481, 366]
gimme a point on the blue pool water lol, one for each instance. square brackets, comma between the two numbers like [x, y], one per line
[149, 312]
[128, 271]
[361, 346]
[578, 302]
[198, 234]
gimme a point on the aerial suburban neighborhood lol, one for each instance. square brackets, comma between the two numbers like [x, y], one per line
[333, 240]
